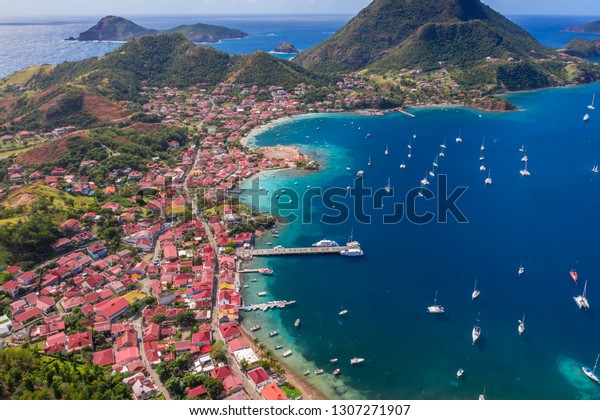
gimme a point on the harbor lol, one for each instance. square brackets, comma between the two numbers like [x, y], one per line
[269, 305]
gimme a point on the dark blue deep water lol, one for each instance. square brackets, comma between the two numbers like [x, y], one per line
[543, 220]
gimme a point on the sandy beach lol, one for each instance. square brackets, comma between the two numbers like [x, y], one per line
[247, 140]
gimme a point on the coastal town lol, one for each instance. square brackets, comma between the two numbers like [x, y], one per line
[158, 299]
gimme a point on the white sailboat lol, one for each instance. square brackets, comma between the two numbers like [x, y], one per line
[443, 145]
[459, 138]
[591, 106]
[595, 169]
[482, 396]
[432, 172]
[435, 162]
[482, 148]
[521, 269]
[586, 117]
[425, 181]
[476, 333]
[482, 168]
[370, 163]
[435, 308]
[581, 300]
[521, 327]
[524, 171]
[475, 291]
[488, 180]
[590, 372]
[522, 149]
[388, 188]
[387, 152]
[524, 158]
[402, 165]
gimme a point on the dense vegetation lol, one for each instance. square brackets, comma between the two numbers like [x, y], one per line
[583, 48]
[27, 375]
[177, 380]
[396, 27]
[28, 241]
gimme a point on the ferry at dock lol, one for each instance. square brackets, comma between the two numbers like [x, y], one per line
[325, 243]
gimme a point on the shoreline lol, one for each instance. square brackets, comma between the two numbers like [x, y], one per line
[309, 391]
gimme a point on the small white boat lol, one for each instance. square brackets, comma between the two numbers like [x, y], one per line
[273, 333]
[482, 168]
[522, 149]
[443, 145]
[336, 372]
[524, 158]
[319, 371]
[425, 181]
[482, 148]
[521, 269]
[262, 294]
[525, 171]
[287, 353]
[409, 155]
[581, 300]
[459, 139]
[488, 180]
[343, 312]
[297, 323]
[435, 308]
[402, 165]
[356, 360]
[333, 360]
[388, 187]
[306, 372]
[591, 106]
[410, 145]
[595, 169]
[360, 174]
[590, 372]
[370, 163]
[460, 372]
[482, 396]
[435, 162]
[387, 152]
[586, 117]
[475, 291]
[255, 328]
[521, 327]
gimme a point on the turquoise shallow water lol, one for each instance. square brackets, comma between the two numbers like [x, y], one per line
[543, 220]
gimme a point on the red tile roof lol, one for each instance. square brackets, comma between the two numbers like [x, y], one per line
[104, 357]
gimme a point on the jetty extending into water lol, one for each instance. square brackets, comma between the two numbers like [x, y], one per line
[294, 251]
[269, 305]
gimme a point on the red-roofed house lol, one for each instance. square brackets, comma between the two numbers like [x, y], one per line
[127, 355]
[78, 340]
[170, 252]
[196, 392]
[259, 377]
[112, 309]
[12, 287]
[272, 392]
[202, 338]
[152, 333]
[28, 315]
[129, 339]
[221, 372]
[232, 383]
[104, 357]
[230, 331]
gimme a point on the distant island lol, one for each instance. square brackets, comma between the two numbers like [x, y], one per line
[580, 47]
[286, 48]
[115, 28]
[588, 28]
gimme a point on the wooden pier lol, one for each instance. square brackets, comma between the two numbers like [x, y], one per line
[297, 251]
[269, 305]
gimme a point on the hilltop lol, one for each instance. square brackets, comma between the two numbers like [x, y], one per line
[401, 33]
[588, 28]
[580, 47]
[115, 28]
[476, 46]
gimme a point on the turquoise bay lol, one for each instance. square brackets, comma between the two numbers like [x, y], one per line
[543, 220]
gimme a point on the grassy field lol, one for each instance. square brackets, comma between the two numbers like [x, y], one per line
[31, 193]
[19, 78]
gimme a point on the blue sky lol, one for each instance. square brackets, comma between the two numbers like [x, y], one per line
[199, 7]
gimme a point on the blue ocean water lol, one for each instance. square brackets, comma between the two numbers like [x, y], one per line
[543, 220]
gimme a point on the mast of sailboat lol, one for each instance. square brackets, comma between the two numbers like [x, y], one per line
[596, 364]
[435, 298]
[584, 288]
